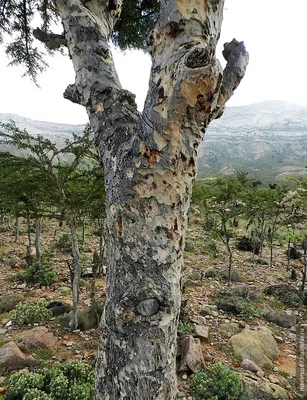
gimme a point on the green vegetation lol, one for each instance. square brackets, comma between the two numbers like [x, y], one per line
[216, 383]
[73, 380]
[38, 272]
[29, 312]
[185, 328]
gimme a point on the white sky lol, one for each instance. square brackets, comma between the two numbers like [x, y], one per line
[274, 32]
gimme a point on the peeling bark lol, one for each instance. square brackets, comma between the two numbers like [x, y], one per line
[150, 163]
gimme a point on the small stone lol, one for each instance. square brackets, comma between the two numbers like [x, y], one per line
[273, 379]
[279, 339]
[250, 365]
[260, 373]
[69, 344]
[184, 377]
[199, 320]
[21, 286]
[3, 331]
[8, 324]
[65, 291]
[201, 332]
[292, 336]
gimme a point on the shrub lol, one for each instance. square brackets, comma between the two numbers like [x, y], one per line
[38, 272]
[64, 242]
[73, 380]
[216, 383]
[29, 312]
[19, 384]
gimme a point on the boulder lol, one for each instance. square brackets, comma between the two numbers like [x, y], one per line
[65, 291]
[12, 358]
[9, 301]
[287, 294]
[36, 338]
[211, 273]
[258, 346]
[235, 299]
[262, 390]
[58, 307]
[209, 309]
[228, 330]
[88, 318]
[87, 272]
[234, 275]
[283, 318]
[191, 357]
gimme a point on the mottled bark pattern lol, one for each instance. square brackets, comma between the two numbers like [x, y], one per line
[150, 162]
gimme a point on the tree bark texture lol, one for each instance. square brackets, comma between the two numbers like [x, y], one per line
[76, 273]
[37, 239]
[150, 163]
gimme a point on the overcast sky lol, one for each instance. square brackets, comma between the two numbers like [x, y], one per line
[274, 32]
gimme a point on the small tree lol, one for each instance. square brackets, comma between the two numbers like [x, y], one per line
[225, 208]
[66, 187]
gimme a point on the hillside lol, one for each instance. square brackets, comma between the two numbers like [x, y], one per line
[266, 139]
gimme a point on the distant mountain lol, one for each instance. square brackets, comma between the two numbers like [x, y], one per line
[269, 139]
[54, 131]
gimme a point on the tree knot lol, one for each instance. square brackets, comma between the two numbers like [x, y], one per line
[198, 58]
[148, 307]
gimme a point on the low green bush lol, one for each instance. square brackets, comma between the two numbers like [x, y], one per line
[73, 380]
[64, 243]
[29, 312]
[185, 328]
[38, 272]
[216, 383]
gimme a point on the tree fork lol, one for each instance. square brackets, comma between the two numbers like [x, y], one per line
[150, 163]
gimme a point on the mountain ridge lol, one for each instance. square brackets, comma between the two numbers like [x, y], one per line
[266, 139]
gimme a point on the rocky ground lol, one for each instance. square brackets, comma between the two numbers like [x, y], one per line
[250, 325]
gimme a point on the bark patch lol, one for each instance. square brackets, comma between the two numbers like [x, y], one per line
[192, 8]
[152, 155]
[148, 307]
[98, 107]
[119, 226]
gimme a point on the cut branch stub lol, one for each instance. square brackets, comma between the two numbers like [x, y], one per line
[237, 60]
[52, 40]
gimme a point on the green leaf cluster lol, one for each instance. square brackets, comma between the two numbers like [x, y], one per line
[29, 312]
[216, 383]
[38, 272]
[73, 380]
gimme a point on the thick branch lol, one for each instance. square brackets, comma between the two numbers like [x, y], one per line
[237, 60]
[52, 40]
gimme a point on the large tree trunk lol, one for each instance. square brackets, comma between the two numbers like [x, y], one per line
[150, 162]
